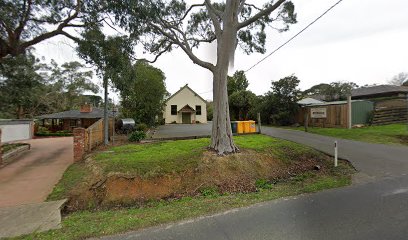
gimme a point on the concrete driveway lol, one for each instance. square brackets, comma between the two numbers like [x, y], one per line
[376, 208]
[32, 177]
[182, 130]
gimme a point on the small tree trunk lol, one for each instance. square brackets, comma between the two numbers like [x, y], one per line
[20, 112]
[105, 113]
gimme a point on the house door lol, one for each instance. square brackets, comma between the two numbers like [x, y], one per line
[186, 118]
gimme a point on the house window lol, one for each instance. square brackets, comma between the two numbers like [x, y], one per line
[173, 109]
[73, 123]
[198, 110]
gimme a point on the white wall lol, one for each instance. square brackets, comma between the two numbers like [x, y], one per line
[182, 98]
[15, 132]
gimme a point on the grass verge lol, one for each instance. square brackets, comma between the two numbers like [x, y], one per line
[396, 134]
[85, 224]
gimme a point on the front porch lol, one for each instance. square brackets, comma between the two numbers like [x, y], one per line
[186, 115]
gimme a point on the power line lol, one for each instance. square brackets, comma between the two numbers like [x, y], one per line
[297, 34]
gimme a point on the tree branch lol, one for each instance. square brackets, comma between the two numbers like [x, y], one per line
[157, 56]
[190, 8]
[260, 14]
[24, 19]
[214, 18]
[174, 39]
[58, 31]
[241, 6]
[70, 36]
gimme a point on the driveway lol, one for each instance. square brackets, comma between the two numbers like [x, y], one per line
[377, 208]
[374, 160]
[182, 130]
[32, 177]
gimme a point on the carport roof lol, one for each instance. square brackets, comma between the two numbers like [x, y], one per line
[76, 114]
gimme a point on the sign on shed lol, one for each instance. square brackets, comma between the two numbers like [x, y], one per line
[318, 112]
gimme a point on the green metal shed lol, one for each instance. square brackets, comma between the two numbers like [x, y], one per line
[360, 111]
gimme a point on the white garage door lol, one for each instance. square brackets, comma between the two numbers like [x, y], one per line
[15, 132]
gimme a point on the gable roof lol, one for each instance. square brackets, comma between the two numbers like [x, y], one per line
[187, 108]
[181, 89]
[380, 89]
[76, 114]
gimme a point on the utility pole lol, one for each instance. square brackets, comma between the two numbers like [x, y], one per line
[349, 111]
[105, 113]
[259, 122]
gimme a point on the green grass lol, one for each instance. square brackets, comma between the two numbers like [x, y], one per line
[73, 176]
[160, 158]
[148, 159]
[176, 156]
[386, 134]
[85, 224]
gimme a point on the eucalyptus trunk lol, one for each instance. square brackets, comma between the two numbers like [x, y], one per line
[221, 138]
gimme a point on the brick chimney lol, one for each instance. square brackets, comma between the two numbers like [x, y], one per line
[86, 108]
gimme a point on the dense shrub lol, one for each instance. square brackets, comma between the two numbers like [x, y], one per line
[141, 127]
[137, 136]
[47, 133]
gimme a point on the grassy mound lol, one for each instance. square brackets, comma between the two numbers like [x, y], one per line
[138, 173]
[266, 169]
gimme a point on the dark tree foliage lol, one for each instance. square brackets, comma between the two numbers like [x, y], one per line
[29, 88]
[143, 97]
[72, 81]
[111, 57]
[241, 103]
[21, 85]
[238, 82]
[109, 54]
[279, 105]
[334, 91]
[24, 23]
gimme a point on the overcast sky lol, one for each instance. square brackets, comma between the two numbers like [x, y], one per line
[363, 41]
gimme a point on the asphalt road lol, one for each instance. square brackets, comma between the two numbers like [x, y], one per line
[376, 208]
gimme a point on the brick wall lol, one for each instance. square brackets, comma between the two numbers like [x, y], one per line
[79, 143]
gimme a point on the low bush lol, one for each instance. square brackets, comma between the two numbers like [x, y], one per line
[54, 134]
[137, 136]
[263, 184]
[210, 192]
[141, 127]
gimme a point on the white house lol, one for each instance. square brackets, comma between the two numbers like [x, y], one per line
[185, 106]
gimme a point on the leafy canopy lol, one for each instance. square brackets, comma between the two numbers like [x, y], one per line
[144, 93]
[164, 25]
[331, 92]
[24, 23]
[238, 82]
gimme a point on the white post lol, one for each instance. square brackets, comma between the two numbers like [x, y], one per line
[335, 153]
[349, 112]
